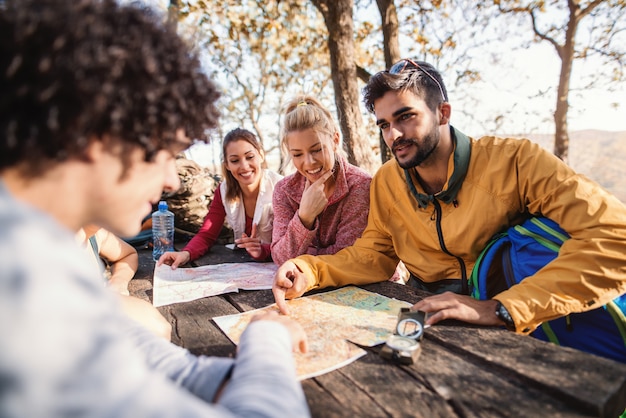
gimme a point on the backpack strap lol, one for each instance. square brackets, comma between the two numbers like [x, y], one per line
[552, 228]
[547, 329]
[478, 278]
[617, 309]
[542, 230]
[551, 239]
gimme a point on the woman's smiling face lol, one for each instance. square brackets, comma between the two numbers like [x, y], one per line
[244, 161]
[312, 154]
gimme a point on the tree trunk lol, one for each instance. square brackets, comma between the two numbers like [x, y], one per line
[391, 46]
[561, 134]
[566, 53]
[172, 13]
[389, 19]
[339, 22]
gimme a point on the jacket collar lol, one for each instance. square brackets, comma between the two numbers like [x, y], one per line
[461, 163]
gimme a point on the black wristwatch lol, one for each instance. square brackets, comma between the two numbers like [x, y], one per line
[505, 317]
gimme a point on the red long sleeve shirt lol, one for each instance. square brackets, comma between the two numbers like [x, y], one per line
[211, 228]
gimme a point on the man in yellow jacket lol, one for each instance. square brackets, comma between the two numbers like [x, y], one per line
[437, 204]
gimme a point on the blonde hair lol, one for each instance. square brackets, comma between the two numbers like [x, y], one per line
[302, 113]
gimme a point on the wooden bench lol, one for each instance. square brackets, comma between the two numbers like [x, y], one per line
[463, 370]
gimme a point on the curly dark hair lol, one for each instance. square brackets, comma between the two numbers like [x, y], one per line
[76, 71]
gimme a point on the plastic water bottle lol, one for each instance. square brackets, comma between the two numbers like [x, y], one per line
[162, 231]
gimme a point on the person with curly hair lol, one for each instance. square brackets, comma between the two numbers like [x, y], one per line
[97, 99]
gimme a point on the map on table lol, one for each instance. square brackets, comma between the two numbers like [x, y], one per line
[330, 320]
[187, 284]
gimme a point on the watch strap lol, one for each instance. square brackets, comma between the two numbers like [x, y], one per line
[503, 314]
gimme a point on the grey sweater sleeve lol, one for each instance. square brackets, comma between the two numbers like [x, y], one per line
[200, 375]
[264, 380]
[262, 377]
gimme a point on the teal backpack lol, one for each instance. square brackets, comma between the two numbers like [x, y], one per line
[522, 250]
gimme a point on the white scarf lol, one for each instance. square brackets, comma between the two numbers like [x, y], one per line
[263, 211]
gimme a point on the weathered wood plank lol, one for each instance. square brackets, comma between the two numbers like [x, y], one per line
[193, 328]
[331, 403]
[397, 291]
[246, 300]
[369, 387]
[219, 254]
[595, 387]
[475, 389]
[141, 284]
[322, 403]
[441, 384]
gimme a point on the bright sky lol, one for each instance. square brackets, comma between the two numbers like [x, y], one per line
[515, 90]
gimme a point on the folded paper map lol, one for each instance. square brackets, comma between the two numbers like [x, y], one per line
[186, 284]
[330, 320]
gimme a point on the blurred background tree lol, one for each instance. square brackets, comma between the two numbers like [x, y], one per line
[578, 30]
[264, 52]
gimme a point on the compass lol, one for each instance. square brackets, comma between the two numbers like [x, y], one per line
[404, 345]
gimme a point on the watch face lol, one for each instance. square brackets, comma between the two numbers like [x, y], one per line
[399, 343]
[410, 328]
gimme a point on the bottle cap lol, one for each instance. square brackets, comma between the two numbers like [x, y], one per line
[163, 205]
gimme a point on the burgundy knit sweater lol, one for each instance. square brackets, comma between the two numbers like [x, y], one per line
[338, 226]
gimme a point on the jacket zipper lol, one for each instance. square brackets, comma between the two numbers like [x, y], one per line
[442, 244]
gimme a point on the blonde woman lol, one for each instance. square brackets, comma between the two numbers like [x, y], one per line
[323, 206]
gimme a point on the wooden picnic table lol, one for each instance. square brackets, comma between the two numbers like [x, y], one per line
[463, 370]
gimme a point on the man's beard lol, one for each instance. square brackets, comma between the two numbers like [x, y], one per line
[424, 150]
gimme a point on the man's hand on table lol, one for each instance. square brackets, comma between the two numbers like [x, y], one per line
[298, 336]
[174, 258]
[464, 308]
[289, 283]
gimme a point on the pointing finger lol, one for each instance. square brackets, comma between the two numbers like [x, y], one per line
[279, 297]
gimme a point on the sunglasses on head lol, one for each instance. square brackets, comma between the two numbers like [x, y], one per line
[408, 63]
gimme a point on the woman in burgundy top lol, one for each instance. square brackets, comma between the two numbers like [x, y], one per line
[323, 206]
[244, 198]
